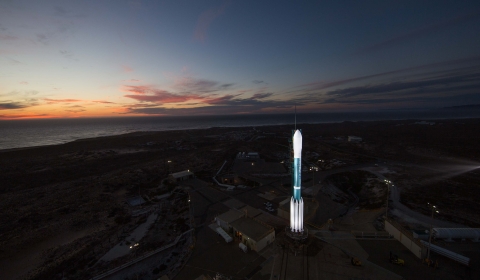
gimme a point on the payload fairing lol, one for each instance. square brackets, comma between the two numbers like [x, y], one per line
[296, 202]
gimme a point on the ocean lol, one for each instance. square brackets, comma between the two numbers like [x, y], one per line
[38, 132]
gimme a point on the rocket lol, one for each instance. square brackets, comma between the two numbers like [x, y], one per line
[297, 165]
[296, 202]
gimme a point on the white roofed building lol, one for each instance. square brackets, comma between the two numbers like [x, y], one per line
[253, 233]
[354, 139]
[181, 176]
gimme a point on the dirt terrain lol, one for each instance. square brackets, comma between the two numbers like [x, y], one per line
[59, 202]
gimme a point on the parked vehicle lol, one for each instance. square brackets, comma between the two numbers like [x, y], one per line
[430, 262]
[356, 262]
[394, 259]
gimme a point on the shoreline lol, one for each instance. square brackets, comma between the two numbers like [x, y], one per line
[225, 127]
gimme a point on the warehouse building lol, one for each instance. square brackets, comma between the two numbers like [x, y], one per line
[354, 139]
[181, 176]
[224, 220]
[255, 234]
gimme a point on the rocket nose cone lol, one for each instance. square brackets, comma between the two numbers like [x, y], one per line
[297, 144]
[297, 135]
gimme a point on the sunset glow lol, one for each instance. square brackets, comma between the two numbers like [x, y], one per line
[135, 58]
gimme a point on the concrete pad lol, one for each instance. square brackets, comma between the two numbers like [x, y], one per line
[329, 235]
[362, 220]
[272, 220]
[122, 249]
[330, 262]
[234, 203]
[267, 195]
[351, 247]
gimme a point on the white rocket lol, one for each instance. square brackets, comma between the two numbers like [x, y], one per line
[296, 202]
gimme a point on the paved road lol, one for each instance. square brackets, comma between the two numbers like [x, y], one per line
[399, 208]
[402, 210]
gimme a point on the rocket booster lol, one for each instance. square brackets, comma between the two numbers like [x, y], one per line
[297, 165]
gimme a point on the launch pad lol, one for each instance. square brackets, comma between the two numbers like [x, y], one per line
[297, 236]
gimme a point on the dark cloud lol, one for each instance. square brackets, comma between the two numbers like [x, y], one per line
[67, 54]
[12, 105]
[103, 102]
[43, 38]
[257, 82]
[227, 104]
[226, 86]
[221, 100]
[436, 84]
[75, 111]
[261, 95]
[475, 60]
[445, 86]
[61, 28]
[197, 85]
[418, 33]
[23, 116]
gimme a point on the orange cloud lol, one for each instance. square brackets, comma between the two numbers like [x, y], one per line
[52, 101]
[148, 94]
[103, 102]
[32, 116]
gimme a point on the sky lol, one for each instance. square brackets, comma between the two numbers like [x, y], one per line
[70, 59]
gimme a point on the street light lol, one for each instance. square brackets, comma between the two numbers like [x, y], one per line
[313, 172]
[434, 210]
[388, 192]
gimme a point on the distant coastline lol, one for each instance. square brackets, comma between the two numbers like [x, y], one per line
[34, 133]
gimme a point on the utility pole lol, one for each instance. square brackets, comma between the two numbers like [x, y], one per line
[430, 233]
